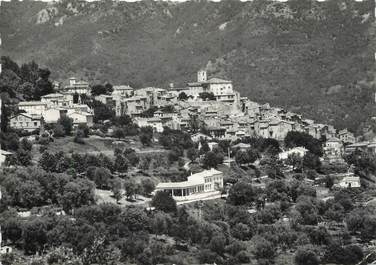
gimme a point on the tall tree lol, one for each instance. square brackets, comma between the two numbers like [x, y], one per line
[97, 90]
[164, 202]
[43, 86]
[66, 123]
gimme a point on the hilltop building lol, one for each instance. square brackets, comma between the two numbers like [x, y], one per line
[156, 123]
[106, 99]
[76, 88]
[57, 100]
[132, 106]
[333, 150]
[134, 102]
[50, 109]
[52, 115]
[80, 117]
[350, 182]
[221, 89]
[123, 90]
[366, 146]
[26, 121]
[346, 136]
[33, 107]
[347, 180]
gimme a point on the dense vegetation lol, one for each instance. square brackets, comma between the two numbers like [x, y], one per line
[311, 57]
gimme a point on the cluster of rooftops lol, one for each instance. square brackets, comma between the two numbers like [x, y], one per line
[226, 116]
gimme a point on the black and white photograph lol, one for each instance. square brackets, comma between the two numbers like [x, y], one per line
[187, 132]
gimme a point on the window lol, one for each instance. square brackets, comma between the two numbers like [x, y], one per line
[35, 123]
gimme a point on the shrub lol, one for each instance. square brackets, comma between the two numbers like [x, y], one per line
[306, 256]
[59, 130]
[148, 186]
[264, 249]
[78, 138]
[42, 149]
[84, 129]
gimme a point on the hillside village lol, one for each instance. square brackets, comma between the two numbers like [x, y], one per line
[316, 68]
[212, 103]
[209, 109]
[198, 157]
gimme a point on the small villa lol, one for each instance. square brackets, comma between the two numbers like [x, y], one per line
[350, 181]
[197, 185]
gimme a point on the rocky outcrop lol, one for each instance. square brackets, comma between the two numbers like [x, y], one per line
[46, 15]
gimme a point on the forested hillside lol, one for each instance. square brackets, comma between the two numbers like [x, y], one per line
[312, 57]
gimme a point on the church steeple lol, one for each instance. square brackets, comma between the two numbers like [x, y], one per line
[201, 76]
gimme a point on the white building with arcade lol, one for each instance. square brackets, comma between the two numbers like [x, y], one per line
[197, 186]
